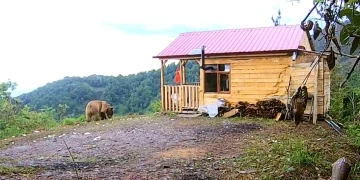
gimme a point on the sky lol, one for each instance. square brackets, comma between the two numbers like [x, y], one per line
[42, 41]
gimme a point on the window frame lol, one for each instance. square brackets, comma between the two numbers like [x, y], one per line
[218, 73]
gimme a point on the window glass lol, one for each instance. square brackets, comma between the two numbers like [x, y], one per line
[210, 82]
[224, 67]
[224, 82]
[217, 78]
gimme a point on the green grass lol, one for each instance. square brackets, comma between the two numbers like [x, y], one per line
[17, 170]
[25, 124]
[73, 121]
[273, 159]
[280, 152]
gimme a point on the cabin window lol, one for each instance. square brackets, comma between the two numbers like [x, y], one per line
[217, 78]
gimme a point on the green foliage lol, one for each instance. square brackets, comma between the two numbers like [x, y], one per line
[352, 29]
[344, 102]
[73, 121]
[295, 152]
[353, 131]
[128, 94]
[302, 155]
[155, 106]
[4, 170]
[15, 120]
[62, 108]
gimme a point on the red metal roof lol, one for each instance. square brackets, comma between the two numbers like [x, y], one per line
[230, 41]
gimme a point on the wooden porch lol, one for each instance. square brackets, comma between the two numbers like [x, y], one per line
[182, 97]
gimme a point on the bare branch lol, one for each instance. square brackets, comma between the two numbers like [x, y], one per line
[303, 21]
[342, 54]
[72, 157]
[355, 35]
[351, 71]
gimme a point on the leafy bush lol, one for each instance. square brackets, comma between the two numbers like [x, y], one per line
[73, 121]
[15, 120]
[155, 106]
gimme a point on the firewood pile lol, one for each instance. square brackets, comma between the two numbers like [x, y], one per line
[264, 109]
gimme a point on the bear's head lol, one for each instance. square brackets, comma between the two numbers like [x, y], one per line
[110, 112]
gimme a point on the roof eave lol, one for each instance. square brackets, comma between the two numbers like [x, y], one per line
[225, 54]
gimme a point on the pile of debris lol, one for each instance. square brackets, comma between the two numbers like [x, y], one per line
[271, 109]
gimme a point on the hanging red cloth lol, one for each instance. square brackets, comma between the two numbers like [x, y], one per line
[177, 75]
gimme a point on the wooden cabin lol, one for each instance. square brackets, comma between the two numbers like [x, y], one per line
[249, 64]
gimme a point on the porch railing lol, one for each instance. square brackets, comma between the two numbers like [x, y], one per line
[179, 97]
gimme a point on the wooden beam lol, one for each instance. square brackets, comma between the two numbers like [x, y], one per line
[315, 110]
[162, 81]
[181, 90]
[201, 91]
[323, 84]
[183, 71]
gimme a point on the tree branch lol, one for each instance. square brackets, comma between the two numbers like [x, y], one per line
[338, 53]
[355, 35]
[303, 21]
[351, 71]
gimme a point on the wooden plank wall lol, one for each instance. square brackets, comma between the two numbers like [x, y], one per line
[326, 87]
[258, 78]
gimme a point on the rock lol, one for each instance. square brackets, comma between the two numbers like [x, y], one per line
[87, 133]
[97, 138]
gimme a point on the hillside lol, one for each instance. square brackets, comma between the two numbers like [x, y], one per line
[128, 94]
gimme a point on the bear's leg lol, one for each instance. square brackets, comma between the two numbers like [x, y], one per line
[97, 117]
[102, 115]
[88, 117]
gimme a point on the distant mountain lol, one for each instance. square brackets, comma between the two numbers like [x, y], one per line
[128, 94]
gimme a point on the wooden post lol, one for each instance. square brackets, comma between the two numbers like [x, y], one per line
[315, 111]
[323, 86]
[202, 85]
[162, 85]
[181, 89]
[183, 73]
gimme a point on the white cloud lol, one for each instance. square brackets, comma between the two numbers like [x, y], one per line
[43, 41]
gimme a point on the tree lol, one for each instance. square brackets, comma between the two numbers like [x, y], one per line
[61, 110]
[276, 20]
[345, 13]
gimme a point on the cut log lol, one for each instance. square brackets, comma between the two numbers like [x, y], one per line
[340, 169]
[278, 116]
[263, 109]
[231, 113]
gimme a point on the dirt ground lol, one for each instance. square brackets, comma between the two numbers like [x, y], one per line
[141, 148]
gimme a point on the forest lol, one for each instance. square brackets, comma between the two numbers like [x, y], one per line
[128, 94]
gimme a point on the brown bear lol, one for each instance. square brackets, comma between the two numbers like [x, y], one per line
[98, 110]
